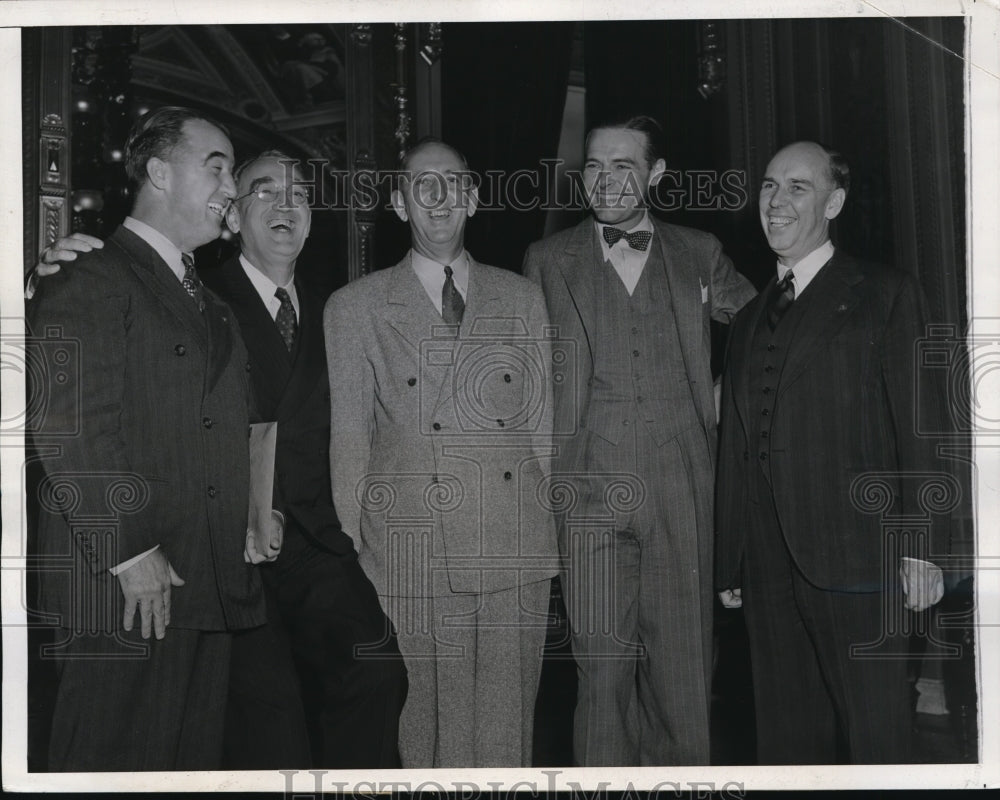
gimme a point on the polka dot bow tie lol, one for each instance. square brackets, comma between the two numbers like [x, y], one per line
[637, 240]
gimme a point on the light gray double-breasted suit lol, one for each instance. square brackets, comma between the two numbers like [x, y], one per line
[440, 447]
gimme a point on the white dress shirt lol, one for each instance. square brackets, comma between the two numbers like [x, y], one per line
[627, 261]
[807, 267]
[266, 288]
[432, 277]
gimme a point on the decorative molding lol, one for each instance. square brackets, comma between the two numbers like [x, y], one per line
[400, 100]
[360, 147]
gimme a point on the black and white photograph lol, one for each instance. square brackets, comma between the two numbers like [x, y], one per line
[555, 397]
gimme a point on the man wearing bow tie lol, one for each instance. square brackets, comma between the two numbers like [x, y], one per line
[637, 446]
[820, 388]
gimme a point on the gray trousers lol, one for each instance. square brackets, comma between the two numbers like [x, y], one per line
[638, 587]
[474, 662]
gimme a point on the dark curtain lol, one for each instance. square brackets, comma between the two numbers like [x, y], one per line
[503, 92]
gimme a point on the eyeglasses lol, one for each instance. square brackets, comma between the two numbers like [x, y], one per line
[268, 193]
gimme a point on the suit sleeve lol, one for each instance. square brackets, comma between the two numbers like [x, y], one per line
[916, 400]
[91, 314]
[730, 290]
[352, 397]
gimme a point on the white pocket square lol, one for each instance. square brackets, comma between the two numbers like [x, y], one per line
[704, 293]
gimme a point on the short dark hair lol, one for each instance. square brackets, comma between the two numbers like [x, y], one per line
[155, 134]
[277, 155]
[839, 169]
[655, 147]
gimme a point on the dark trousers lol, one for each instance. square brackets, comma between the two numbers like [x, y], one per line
[810, 689]
[322, 684]
[154, 705]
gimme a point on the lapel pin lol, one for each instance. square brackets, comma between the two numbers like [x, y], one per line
[842, 308]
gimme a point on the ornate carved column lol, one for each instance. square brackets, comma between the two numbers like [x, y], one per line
[360, 148]
[50, 129]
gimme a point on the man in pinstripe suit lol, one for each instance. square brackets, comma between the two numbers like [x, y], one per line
[637, 446]
[144, 508]
[820, 388]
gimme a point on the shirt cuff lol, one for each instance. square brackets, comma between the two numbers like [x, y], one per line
[131, 562]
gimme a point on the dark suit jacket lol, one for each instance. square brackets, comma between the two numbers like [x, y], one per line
[292, 388]
[703, 286]
[846, 403]
[151, 415]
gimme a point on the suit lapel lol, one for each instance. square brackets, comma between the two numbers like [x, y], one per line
[578, 266]
[833, 299]
[483, 300]
[685, 298]
[411, 314]
[162, 282]
[310, 359]
[742, 350]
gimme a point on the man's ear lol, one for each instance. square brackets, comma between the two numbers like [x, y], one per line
[835, 203]
[157, 172]
[233, 218]
[659, 167]
[398, 205]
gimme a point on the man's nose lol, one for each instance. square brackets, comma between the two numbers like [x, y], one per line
[778, 197]
[228, 186]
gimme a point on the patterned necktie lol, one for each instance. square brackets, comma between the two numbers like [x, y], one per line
[190, 281]
[637, 240]
[285, 319]
[784, 294]
[452, 304]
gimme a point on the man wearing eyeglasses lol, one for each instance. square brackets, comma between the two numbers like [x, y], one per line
[322, 683]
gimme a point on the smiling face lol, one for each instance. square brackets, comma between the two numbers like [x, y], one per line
[436, 199]
[272, 215]
[196, 182]
[797, 201]
[617, 175]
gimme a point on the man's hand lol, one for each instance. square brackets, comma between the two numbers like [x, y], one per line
[146, 586]
[731, 598]
[923, 583]
[266, 547]
[62, 250]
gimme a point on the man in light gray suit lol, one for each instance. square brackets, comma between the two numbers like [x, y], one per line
[636, 438]
[441, 407]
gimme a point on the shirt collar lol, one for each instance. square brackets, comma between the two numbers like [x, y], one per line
[428, 269]
[266, 287]
[644, 224]
[807, 267]
[166, 249]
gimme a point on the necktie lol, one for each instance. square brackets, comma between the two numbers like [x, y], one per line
[190, 281]
[452, 304]
[784, 294]
[285, 319]
[637, 240]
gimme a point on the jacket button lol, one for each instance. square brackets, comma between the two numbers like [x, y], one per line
[765, 412]
[507, 476]
[767, 390]
[770, 348]
[212, 491]
[500, 423]
[436, 426]
[763, 456]
[506, 377]
[180, 349]
[248, 366]
[207, 422]
[763, 434]
[411, 381]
